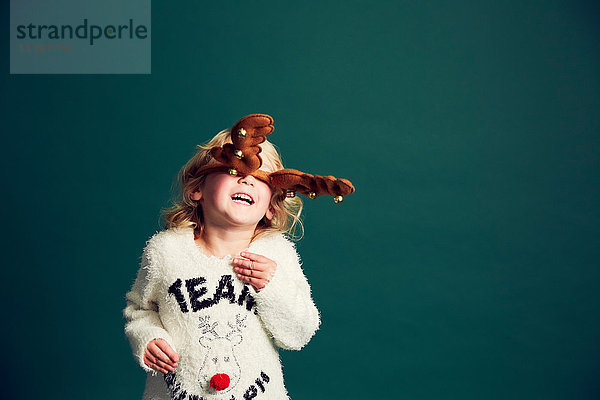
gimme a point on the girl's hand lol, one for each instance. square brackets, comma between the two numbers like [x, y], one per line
[160, 356]
[255, 269]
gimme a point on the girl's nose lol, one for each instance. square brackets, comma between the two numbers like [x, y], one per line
[248, 180]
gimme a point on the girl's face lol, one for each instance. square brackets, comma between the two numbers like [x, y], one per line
[234, 201]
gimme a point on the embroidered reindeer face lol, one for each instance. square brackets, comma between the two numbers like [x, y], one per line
[220, 370]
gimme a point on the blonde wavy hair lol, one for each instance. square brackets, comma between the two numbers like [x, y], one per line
[185, 212]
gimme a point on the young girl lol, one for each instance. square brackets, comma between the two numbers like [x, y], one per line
[221, 288]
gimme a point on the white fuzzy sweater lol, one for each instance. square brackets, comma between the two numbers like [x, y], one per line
[217, 323]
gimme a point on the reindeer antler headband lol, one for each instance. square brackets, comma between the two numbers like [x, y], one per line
[243, 156]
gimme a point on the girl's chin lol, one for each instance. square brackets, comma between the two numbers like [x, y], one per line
[249, 222]
[239, 216]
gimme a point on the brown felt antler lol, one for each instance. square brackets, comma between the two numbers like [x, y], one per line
[246, 135]
[243, 156]
[311, 185]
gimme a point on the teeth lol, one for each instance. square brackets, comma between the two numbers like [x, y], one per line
[243, 197]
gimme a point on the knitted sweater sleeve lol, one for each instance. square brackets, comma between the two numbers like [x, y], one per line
[143, 322]
[285, 304]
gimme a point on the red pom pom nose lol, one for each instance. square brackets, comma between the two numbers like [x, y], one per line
[219, 381]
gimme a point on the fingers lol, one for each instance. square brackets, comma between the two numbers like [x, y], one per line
[251, 276]
[245, 272]
[250, 273]
[167, 350]
[256, 257]
[255, 269]
[257, 283]
[160, 356]
[157, 364]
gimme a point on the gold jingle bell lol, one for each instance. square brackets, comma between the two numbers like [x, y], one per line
[241, 133]
[338, 199]
[290, 194]
[312, 195]
[238, 154]
[232, 171]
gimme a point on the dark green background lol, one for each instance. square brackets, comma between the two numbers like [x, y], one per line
[465, 266]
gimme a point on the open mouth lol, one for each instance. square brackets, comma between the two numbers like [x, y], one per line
[242, 198]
